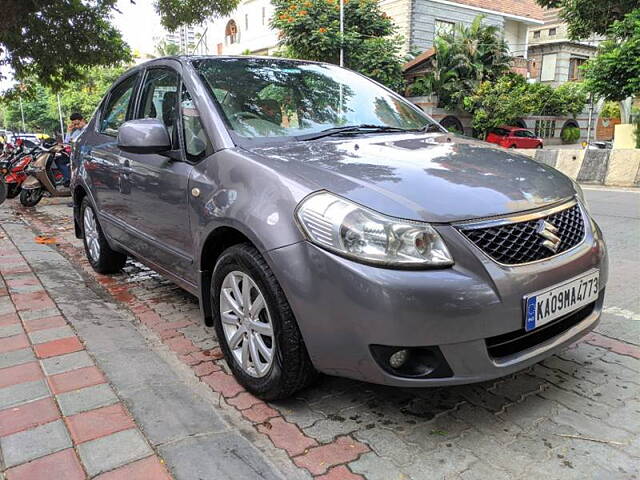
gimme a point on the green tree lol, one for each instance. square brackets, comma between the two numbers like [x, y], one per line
[464, 58]
[167, 49]
[511, 97]
[53, 40]
[615, 73]
[176, 13]
[310, 29]
[56, 40]
[586, 17]
[40, 103]
[498, 103]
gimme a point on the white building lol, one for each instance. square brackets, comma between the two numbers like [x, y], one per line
[246, 30]
[185, 37]
[419, 21]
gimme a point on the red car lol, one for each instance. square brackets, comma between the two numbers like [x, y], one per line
[514, 137]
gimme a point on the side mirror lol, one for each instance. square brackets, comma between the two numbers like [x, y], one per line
[145, 135]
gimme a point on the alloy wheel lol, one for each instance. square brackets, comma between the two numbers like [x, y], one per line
[247, 324]
[91, 234]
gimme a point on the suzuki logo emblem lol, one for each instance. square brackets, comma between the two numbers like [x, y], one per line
[548, 232]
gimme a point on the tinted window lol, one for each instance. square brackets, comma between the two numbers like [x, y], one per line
[500, 131]
[160, 99]
[267, 98]
[196, 142]
[524, 133]
[115, 112]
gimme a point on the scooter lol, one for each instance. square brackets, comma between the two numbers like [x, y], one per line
[43, 176]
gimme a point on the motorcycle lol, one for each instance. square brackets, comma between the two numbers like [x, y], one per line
[44, 178]
[12, 169]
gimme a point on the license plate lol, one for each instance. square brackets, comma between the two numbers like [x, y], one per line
[546, 305]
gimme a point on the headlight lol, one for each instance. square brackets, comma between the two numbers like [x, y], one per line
[356, 232]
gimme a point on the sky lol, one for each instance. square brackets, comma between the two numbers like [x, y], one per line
[139, 23]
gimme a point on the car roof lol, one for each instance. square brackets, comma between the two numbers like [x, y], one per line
[189, 58]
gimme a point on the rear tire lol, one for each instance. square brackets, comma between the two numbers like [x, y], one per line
[31, 197]
[270, 332]
[13, 190]
[101, 256]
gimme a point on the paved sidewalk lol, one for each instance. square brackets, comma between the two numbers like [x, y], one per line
[59, 418]
[576, 415]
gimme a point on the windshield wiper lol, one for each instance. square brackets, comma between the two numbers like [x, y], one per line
[363, 128]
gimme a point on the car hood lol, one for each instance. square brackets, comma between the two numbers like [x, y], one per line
[432, 177]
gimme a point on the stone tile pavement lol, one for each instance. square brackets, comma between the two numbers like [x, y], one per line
[576, 415]
[59, 418]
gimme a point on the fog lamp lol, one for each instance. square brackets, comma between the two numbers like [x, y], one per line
[399, 358]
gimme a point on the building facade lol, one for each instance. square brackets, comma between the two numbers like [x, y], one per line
[246, 30]
[185, 37]
[555, 58]
[420, 21]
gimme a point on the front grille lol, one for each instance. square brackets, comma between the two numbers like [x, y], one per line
[520, 242]
[519, 340]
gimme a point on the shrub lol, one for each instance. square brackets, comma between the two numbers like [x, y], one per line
[570, 134]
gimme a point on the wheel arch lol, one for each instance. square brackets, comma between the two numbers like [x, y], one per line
[216, 242]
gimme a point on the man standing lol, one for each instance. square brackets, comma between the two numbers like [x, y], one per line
[75, 128]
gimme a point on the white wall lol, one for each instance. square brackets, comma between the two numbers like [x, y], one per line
[256, 37]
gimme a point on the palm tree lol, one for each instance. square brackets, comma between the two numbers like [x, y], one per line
[464, 57]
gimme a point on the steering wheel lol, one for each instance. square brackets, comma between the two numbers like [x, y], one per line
[244, 115]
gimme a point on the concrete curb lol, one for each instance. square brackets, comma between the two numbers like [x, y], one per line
[616, 168]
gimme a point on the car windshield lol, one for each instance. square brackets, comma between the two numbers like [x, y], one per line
[268, 98]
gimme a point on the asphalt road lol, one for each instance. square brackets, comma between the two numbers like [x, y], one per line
[617, 212]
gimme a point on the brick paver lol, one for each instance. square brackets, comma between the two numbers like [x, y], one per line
[28, 415]
[45, 375]
[149, 468]
[61, 465]
[98, 423]
[75, 379]
[58, 347]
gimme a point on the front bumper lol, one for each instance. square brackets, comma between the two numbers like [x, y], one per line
[344, 307]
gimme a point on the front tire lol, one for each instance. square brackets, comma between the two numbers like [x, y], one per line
[256, 329]
[100, 255]
[31, 197]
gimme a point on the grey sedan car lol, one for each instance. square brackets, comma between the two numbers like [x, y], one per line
[328, 225]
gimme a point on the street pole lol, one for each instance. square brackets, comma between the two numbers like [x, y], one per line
[341, 33]
[590, 120]
[60, 116]
[22, 114]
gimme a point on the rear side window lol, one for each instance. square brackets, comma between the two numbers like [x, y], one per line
[524, 134]
[500, 131]
[115, 111]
